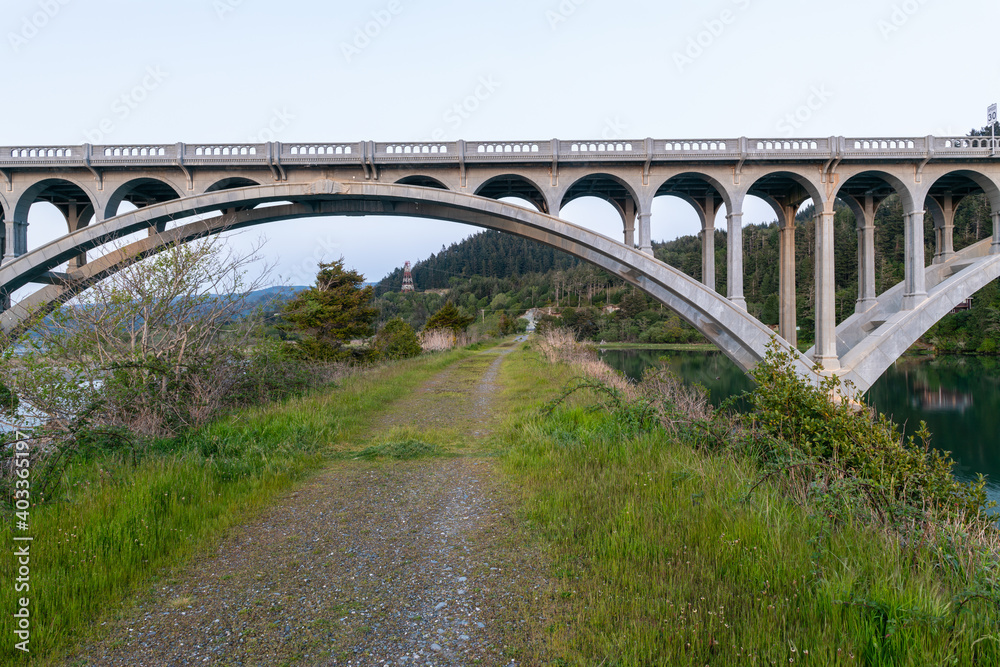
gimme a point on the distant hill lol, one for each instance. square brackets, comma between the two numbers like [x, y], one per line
[272, 298]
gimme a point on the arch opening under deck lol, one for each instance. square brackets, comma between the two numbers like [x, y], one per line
[514, 186]
[139, 193]
[741, 337]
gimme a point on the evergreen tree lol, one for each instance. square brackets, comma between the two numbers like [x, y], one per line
[449, 317]
[332, 312]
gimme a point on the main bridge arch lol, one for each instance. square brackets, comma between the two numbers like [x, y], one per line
[741, 337]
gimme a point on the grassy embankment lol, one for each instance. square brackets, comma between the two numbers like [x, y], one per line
[120, 522]
[662, 555]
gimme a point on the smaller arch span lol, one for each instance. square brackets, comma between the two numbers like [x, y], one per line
[232, 183]
[140, 192]
[56, 191]
[514, 185]
[693, 186]
[782, 185]
[612, 189]
[422, 181]
[877, 184]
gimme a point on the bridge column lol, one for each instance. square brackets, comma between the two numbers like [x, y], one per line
[8, 242]
[866, 257]
[78, 217]
[944, 228]
[915, 291]
[644, 218]
[734, 258]
[995, 249]
[826, 292]
[16, 243]
[708, 244]
[630, 224]
[787, 315]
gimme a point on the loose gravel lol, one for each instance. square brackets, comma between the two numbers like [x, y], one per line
[392, 563]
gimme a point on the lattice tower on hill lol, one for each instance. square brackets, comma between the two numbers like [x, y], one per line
[407, 278]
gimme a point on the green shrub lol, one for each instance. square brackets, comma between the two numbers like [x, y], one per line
[988, 346]
[396, 340]
[845, 440]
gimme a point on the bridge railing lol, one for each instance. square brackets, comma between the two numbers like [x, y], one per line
[790, 148]
[966, 146]
[405, 152]
[321, 153]
[452, 152]
[683, 148]
[502, 151]
[34, 155]
[206, 154]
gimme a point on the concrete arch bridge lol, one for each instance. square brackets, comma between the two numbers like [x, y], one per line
[184, 192]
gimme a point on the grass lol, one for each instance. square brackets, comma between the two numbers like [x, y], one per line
[659, 557]
[118, 524]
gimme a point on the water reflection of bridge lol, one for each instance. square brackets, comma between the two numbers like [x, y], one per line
[929, 399]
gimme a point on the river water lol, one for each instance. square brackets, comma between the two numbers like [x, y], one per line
[958, 397]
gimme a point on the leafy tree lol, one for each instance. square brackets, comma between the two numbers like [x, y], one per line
[507, 325]
[332, 312]
[396, 340]
[156, 348]
[449, 317]
[633, 304]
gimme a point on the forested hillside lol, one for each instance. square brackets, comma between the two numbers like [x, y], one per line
[492, 274]
[490, 254]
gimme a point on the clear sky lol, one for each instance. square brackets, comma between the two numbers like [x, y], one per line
[305, 70]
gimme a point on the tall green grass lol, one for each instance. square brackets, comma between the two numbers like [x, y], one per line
[660, 557]
[119, 523]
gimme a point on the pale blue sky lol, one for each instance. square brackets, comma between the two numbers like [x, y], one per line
[232, 70]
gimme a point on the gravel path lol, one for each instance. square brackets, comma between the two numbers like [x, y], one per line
[401, 563]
